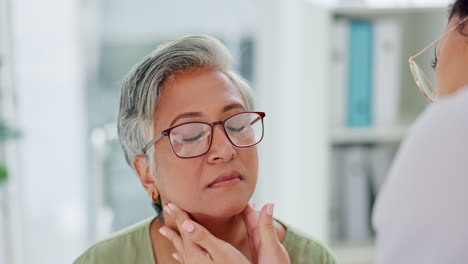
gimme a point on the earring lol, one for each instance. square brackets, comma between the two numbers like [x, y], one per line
[156, 205]
[155, 200]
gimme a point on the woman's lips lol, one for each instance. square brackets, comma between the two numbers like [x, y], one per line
[226, 180]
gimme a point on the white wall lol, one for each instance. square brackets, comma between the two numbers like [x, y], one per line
[147, 20]
[49, 87]
[291, 78]
[11, 231]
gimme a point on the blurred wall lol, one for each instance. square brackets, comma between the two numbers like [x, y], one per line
[50, 111]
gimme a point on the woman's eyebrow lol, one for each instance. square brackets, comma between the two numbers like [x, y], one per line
[198, 114]
[233, 106]
[185, 115]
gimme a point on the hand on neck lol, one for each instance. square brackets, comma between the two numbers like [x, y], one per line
[230, 229]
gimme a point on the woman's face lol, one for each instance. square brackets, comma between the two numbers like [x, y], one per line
[452, 70]
[206, 96]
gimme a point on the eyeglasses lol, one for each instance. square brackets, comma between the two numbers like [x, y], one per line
[422, 80]
[193, 139]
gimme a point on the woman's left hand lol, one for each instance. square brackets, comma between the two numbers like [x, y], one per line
[195, 244]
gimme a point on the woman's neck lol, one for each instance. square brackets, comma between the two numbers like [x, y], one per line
[231, 230]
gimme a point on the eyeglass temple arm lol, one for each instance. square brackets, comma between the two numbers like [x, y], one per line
[145, 149]
[425, 49]
[260, 116]
[255, 120]
[435, 41]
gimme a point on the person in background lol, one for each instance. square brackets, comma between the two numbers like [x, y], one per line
[421, 215]
[189, 131]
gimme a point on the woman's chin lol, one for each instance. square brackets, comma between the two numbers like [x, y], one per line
[222, 210]
[231, 209]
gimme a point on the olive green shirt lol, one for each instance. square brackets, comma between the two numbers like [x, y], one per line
[133, 245]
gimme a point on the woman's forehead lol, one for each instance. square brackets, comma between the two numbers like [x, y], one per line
[206, 92]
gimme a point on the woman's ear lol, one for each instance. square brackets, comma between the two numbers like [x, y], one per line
[142, 168]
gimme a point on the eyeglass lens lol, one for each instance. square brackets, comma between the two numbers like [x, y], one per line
[427, 84]
[194, 139]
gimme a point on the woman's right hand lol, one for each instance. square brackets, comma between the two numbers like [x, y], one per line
[265, 245]
[198, 245]
[195, 244]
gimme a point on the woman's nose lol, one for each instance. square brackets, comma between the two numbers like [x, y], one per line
[221, 149]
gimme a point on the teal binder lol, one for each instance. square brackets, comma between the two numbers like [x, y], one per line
[360, 74]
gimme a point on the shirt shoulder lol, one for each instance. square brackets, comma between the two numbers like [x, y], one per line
[131, 245]
[303, 249]
[427, 181]
[433, 153]
[451, 109]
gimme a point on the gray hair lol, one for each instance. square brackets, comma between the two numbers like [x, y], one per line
[142, 86]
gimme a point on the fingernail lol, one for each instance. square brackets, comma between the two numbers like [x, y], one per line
[188, 226]
[163, 231]
[253, 205]
[171, 206]
[168, 210]
[176, 256]
[269, 209]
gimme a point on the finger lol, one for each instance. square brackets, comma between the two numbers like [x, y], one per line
[197, 241]
[206, 248]
[266, 226]
[174, 237]
[250, 217]
[216, 250]
[202, 237]
[178, 214]
[225, 253]
[177, 257]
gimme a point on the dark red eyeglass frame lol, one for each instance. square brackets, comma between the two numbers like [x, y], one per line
[167, 132]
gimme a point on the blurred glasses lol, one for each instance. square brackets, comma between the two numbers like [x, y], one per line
[193, 139]
[425, 81]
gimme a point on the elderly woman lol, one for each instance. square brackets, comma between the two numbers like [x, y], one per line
[188, 129]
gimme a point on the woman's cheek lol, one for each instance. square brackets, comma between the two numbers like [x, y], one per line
[250, 161]
[446, 67]
[455, 72]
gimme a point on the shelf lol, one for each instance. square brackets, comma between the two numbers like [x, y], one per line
[354, 253]
[368, 135]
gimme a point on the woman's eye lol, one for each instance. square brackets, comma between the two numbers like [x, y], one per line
[236, 129]
[197, 137]
[434, 61]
